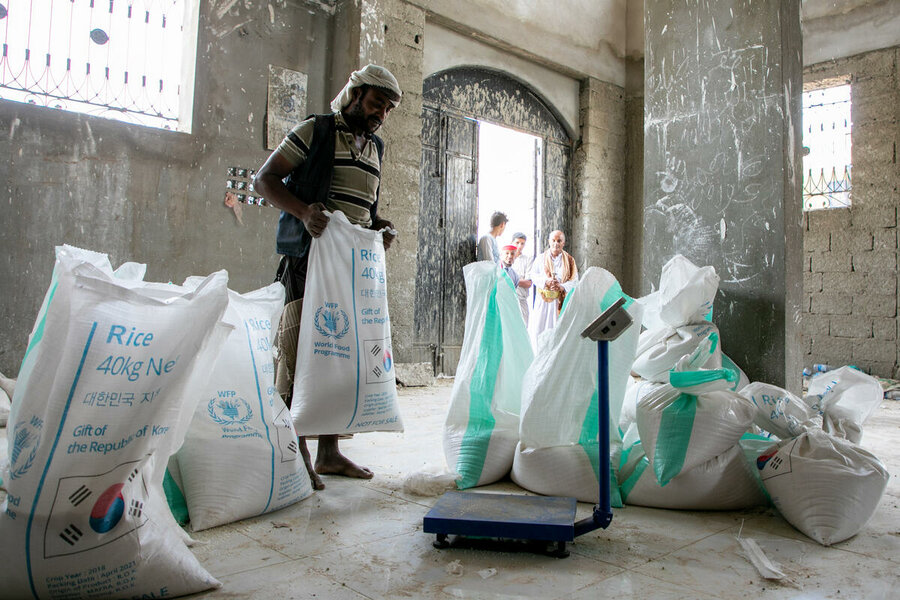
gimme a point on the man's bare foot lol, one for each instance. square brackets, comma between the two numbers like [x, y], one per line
[338, 464]
[314, 478]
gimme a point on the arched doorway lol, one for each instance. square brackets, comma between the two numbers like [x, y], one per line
[454, 102]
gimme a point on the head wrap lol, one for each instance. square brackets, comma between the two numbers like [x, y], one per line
[519, 235]
[511, 247]
[369, 75]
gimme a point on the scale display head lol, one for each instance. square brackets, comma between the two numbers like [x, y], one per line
[610, 324]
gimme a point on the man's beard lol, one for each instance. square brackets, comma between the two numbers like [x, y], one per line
[356, 118]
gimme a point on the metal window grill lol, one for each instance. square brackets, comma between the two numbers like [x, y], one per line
[827, 163]
[119, 59]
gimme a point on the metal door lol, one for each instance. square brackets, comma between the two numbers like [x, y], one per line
[452, 102]
[447, 222]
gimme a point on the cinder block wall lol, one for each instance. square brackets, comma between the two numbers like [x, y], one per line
[850, 255]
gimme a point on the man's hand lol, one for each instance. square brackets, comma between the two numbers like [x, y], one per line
[315, 219]
[387, 237]
[525, 283]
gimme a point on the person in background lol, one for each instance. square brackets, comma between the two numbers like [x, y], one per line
[507, 256]
[554, 274]
[522, 266]
[487, 245]
[328, 162]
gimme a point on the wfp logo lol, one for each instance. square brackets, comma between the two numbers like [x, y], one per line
[231, 411]
[331, 321]
[26, 438]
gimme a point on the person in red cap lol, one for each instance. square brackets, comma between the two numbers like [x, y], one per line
[507, 256]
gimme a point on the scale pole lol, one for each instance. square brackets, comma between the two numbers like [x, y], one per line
[603, 422]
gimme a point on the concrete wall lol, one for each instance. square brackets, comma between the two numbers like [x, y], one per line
[721, 138]
[850, 255]
[149, 195]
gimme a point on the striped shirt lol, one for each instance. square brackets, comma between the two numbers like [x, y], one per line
[356, 173]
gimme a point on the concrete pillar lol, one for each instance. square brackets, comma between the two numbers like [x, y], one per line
[722, 170]
[391, 33]
[599, 174]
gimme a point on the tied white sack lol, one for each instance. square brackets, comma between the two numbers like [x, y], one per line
[101, 404]
[482, 425]
[845, 398]
[344, 381]
[692, 420]
[240, 457]
[778, 411]
[826, 487]
[659, 350]
[558, 449]
[635, 389]
[724, 482]
[686, 291]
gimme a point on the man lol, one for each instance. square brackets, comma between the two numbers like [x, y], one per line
[522, 266]
[507, 256]
[327, 162]
[554, 275]
[487, 245]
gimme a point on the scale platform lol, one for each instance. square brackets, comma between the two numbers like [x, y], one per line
[503, 516]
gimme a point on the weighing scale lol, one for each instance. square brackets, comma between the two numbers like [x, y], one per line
[539, 520]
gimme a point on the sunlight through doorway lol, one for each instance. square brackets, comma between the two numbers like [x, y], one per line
[509, 181]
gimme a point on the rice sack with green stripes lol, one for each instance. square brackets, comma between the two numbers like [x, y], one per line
[104, 397]
[240, 456]
[559, 449]
[725, 482]
[344, 380]
[659, 350]
[482, 425]
[693, 419]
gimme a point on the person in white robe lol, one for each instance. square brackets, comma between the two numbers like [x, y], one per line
[554, 274]
[522, 267]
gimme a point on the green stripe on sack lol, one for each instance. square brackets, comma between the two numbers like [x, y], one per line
[175, 499]
[673, 438]
[629, 483]
[474, 447]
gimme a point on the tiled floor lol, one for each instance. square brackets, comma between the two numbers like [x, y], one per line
[363, 539]
[360, 540]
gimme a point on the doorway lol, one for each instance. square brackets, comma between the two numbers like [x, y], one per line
[460, 107]
[509, 181]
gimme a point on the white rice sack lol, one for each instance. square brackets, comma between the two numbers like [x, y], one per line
[344, 381]
[635, 390]
[482, 425]
[659, 350]
[845, 397]
[725, 482]
[778, 411]
[742, 381]
[825, 486]
[680, 431]
[686, 291]
[240, 457]
[572, 468]
[560, 397]
[100, 406]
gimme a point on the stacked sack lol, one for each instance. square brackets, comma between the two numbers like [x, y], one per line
[684, 450]
[819, 478]
[482, 425]
[684, 427]
[558, 451]
[103, 399]
[240, 456]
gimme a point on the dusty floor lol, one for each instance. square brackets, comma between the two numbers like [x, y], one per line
[363, 539]
[360, 539]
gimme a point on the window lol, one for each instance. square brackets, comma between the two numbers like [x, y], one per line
[130, 60]
[827, 162]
